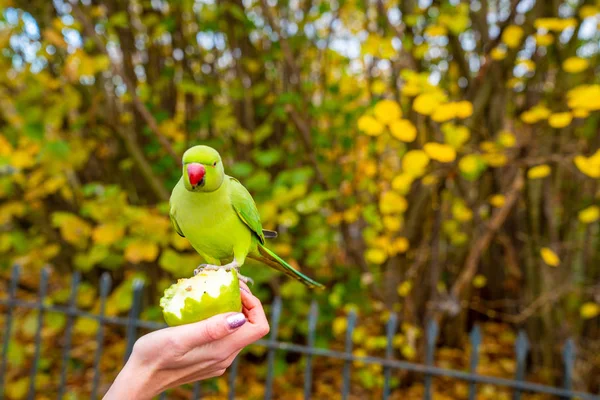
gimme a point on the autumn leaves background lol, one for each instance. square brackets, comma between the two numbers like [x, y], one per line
[430, 159]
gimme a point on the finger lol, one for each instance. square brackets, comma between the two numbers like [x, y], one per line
[253, 308]
[257, 327]
[245, 287]
[212, 329]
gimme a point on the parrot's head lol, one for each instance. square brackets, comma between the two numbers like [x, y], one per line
[202, 169]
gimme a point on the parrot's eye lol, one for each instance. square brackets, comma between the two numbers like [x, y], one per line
[215, 164]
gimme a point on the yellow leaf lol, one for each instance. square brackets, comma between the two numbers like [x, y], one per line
[376, 256]
[589, 215]
[409, 352]
[535, 114]
[391, 202]
[495, 159]
[392, 223]
[471, 166]
[339, 326]
[587, 166]
[402, 183]
[506, 139]
[497, 200]
[584, 97]
[436, 30]
[589, 310]
[17, 389]
[370, 125]
[574, 65]
[455, 136]
[430, 179]
[5, 147]
[588, 11]
[440, 152]
[498, 53]
[415, 163]
[461, 212]
[107, 234]
[544, 39]
[387, 111]
[73, 229]
[403, 130]
[20, 159]
[555, 24]
[411, 89]
[479, 281]
[444, 112]
[512, 36]
[580, 113]
[464, 109]
[539, 172]
[170, 128]
[400, 245]
[550, 257]
[378, 87]
[426, 103]
[560, 120]
[138, 251]
[404, 288]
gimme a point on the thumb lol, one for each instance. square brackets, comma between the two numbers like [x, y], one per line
[209, 330]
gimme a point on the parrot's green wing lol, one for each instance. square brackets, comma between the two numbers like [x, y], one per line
[244, 206]
[175, 225]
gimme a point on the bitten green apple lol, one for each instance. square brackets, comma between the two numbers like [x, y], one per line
[202, 296]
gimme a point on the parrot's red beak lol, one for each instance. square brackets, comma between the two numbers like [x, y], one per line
[196, 173]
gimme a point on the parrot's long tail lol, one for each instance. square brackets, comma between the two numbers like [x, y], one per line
[274, 261]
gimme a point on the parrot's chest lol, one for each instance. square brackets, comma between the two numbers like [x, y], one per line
[211, 225]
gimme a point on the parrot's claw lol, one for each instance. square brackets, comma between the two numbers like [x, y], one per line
[246, 279]
[226, 267]
[206, 267]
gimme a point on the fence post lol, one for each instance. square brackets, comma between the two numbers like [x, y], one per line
[197, 393]
[390, 330]
[134, 313]
[75, 278]
[312, 327]
[521, 349]
[275, 315]
[568, 354]
[12, 294]
[432, 334]
[475, 338]
[233, 371]
[348, 352]
[38, 333]
[105, 284]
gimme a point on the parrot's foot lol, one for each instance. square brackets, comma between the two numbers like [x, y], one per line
[245, 279]
[234, 265]
[226, 267]
[206, 267]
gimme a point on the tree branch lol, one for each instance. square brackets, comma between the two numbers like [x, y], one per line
[137, 102]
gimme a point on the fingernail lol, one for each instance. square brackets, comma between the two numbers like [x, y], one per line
[236, 320]
[245, 290]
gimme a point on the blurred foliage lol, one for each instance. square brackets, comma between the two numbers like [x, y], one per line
[433, 159]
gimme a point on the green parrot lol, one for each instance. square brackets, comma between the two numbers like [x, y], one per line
[217, 214]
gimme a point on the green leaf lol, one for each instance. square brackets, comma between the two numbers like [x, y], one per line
[119, 20]
[57, 148]
[241, 169]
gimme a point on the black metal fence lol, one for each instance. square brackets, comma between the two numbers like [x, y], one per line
[132, 323]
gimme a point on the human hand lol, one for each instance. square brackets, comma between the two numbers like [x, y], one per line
[177, 355]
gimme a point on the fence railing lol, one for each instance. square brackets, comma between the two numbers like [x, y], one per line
[389, 364]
